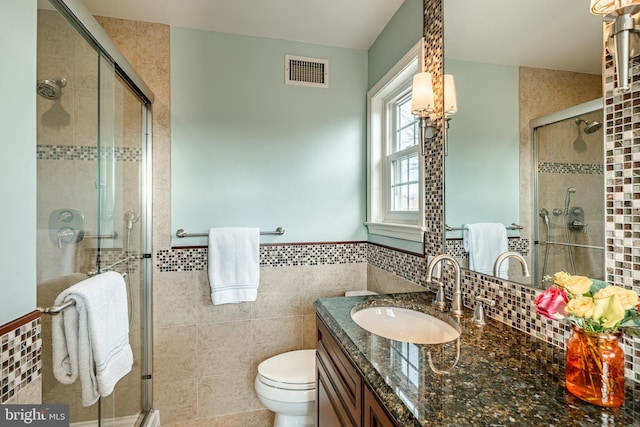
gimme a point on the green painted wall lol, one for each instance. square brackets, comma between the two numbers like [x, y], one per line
[248, 150]
[401, 33]
[482, 168]
[18, 20]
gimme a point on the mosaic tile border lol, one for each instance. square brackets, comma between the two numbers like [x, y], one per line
[408, 266]
[455, 247]
[434, 151]
[196, 258]
[20, 360]
[89, 153]
[571, 168]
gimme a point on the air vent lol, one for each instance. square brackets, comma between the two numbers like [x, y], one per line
[302, 71]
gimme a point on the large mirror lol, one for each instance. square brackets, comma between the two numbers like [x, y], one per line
[516, 63]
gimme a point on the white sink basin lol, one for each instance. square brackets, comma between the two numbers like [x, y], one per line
[403, 324]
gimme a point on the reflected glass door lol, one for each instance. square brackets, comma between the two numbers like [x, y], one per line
[568, 197]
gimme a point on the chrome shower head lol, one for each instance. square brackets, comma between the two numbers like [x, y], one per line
[589, 127]
[51, 89]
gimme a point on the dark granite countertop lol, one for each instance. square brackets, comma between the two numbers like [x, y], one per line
[504, 377]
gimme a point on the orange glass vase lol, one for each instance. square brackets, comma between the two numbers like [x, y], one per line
[595, 368]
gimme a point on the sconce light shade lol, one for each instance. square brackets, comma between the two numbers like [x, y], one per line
[422, 94]
[606, 7]
[450, 98]
[622, 40]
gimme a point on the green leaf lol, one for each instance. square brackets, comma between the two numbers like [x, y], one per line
[597, 285]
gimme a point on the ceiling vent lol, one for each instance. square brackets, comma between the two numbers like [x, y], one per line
[301, 71]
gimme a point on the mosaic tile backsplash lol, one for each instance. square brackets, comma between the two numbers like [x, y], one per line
[88, 153]
[21, 359]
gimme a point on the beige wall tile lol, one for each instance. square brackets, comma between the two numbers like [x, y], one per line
[383, 282]
[275, 335]
[32, 393]
[224, 348]
[225, 394]
[309, 331]
[259, 418]
[174, 352]
[177, 400]
[174, 299]
[209, 313]
[279, 293]
[325, 281]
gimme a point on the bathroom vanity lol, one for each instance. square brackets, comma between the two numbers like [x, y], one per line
[503, 377]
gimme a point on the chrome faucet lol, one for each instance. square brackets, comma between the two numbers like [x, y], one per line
[505, 255]
[456, 303]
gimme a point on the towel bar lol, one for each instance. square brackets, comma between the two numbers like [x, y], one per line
[182, 233]
[513, 226]
[56, 309]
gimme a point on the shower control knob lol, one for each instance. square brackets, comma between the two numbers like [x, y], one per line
[65, 235]
[557, 212]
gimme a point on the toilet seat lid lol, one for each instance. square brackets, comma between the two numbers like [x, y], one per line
[293, 368]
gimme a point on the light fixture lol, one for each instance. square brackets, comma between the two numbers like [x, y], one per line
[450, 107]
[423, 107]
[623, 41]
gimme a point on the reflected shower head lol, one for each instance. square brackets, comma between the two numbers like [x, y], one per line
[589, 127]
[51, 89]
[567, 199]
[544, 214]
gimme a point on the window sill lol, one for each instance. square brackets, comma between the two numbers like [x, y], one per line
[399, 231]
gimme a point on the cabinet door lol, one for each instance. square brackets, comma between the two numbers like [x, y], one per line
[342, 380]
[331, 412]
[373, 413]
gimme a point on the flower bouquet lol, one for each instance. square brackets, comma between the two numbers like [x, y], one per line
[599, 313]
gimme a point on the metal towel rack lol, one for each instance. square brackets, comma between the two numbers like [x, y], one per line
[56, 309]
[182, 233]
[513, 226]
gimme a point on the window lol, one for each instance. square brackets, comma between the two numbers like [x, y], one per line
[395, 169]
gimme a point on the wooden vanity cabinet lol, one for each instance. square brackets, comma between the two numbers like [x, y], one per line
[342, 397]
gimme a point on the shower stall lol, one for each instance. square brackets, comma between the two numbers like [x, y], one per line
[568, 193]
[93, 194]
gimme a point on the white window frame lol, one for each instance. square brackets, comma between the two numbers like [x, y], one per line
[380, 220]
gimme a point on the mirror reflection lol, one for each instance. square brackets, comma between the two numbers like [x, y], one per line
[517, 63]
[570, 192]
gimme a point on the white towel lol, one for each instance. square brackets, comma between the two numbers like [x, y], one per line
[485, 242]
[234, 264]
[91, 339]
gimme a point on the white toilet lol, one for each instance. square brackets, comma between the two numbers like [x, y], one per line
[286, 385]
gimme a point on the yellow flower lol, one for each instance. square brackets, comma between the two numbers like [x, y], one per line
[581, 307]
[607, 311]
[577, 285]
[627, 298]
[560, 277]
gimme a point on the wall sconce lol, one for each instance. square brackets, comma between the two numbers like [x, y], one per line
[623, 41]
[423, 107]
[450, 107]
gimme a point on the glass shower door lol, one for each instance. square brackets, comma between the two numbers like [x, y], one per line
[568, 195]
[92, 137]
